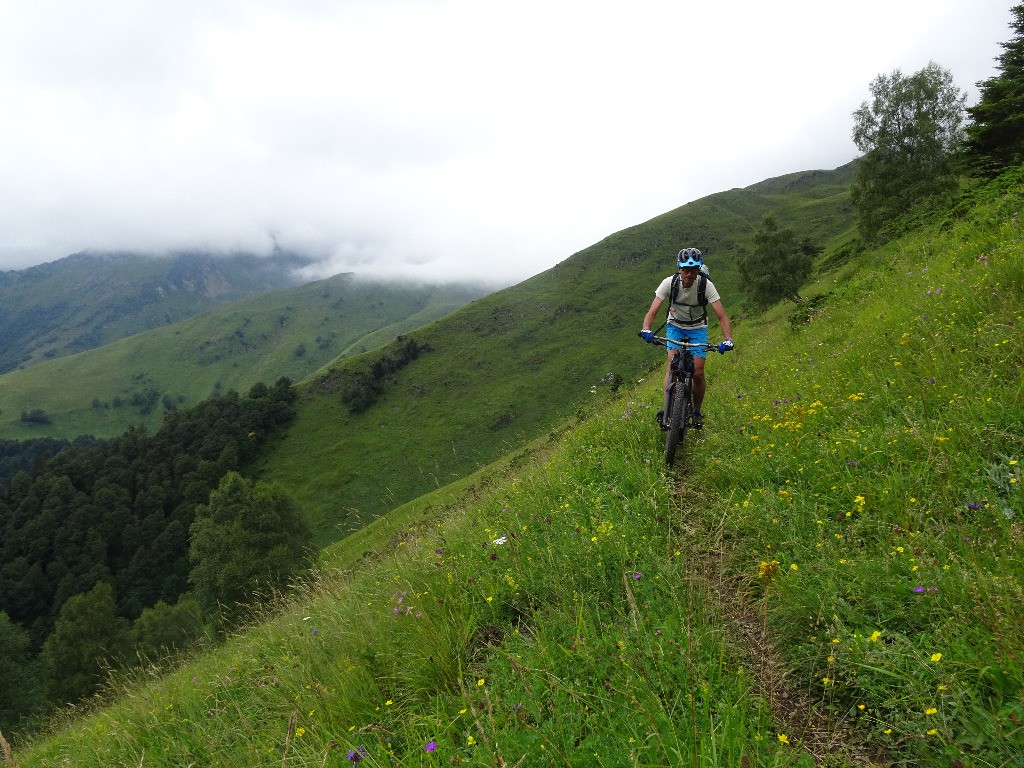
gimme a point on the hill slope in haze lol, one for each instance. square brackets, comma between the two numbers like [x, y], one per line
[87, 300]
[287, 333]
[508, 367]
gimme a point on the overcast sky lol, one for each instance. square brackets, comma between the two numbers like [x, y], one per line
[442, 138]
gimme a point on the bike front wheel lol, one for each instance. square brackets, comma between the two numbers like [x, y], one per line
[678, 421]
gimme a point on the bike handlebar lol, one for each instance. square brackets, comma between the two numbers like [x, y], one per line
[661, 341]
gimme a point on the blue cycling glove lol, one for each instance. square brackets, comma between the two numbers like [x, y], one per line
[725, 346]
[647, 335]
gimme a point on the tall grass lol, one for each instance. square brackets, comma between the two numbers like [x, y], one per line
[872, 466]
[552, 624]
[858, 487]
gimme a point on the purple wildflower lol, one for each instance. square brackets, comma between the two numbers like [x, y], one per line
[430, 746]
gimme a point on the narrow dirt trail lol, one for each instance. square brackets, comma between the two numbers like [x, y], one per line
[825, 739]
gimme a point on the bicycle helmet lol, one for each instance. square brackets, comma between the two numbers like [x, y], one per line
[689, 257]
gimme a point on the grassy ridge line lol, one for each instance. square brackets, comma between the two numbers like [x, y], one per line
[89, 299]
[439, 307]
[285, 333]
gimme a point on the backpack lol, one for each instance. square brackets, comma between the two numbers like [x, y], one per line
[702, 299]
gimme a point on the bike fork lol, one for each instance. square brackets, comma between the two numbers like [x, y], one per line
[668, 396]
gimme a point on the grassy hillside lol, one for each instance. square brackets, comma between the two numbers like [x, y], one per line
[509, 367]
[91, 299]
[285, 333]
[836, 576]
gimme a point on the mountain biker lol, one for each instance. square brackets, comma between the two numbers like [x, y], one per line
[688, 321]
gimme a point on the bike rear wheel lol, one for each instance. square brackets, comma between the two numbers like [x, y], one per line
[678, 421]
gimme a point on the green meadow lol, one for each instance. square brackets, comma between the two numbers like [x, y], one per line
[833, 576]
[292, 332]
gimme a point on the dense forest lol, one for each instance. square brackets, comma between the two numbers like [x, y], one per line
[27, 455]
[102, 529]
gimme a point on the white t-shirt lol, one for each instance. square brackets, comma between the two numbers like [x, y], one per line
[685, 311]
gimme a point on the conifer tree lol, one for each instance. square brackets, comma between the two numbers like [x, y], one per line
[995, 137]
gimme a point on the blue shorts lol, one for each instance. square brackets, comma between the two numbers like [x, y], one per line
[692, 335]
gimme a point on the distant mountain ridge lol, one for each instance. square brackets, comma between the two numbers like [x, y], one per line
[285, 333]
[89, 299]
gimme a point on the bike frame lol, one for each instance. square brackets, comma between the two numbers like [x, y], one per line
[679, 394]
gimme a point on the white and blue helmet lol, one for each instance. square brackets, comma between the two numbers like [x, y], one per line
[689, 257]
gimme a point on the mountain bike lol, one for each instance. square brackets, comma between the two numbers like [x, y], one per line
[677, 421]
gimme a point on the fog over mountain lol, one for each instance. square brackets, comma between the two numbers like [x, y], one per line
[441, 139]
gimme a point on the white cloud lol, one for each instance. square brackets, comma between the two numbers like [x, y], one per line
[457, 138]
